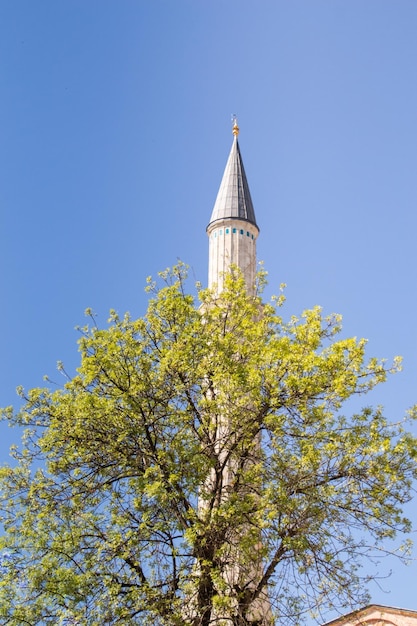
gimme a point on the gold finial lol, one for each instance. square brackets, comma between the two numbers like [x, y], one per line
[235, 129]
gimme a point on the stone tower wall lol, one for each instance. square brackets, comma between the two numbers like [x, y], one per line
[232, 242]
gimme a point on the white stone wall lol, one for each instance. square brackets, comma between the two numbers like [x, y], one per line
[232, 242]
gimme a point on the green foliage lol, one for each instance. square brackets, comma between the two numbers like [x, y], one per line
[192, 445]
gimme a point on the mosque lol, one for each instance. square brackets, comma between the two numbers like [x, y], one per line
[232, 233]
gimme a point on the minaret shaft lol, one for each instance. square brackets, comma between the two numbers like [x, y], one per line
[232, 242]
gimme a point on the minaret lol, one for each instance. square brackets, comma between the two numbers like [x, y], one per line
[232, 230]
[232, 233]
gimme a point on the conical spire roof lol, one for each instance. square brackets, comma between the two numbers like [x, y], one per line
[234, 199]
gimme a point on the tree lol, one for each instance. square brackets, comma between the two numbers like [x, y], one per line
[118, 509]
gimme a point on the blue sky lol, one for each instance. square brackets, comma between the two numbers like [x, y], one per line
[115, 129]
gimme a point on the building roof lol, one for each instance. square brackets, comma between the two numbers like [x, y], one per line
[233, 199]
[376, 615]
